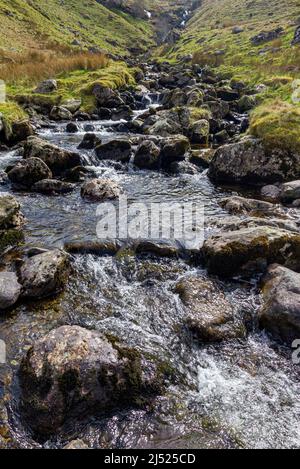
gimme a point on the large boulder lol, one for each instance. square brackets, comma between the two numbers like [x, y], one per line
[57, 159]
[147, 155]
[27, 172]
[98, 190]
[20, 131]
[116, 150]
[10, 289]
[249, 162]
[89, 142]
[210, 315]
[169, 122]
[44, 274]
[73, 372]
[250, 249]
[280, 313]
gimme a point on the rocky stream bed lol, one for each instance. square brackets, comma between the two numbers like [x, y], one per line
[123, 344]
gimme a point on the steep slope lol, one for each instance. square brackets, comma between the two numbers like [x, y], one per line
[222, 34]
[42, 24]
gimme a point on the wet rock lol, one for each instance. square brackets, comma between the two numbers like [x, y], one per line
[280, 313]
[98, 190]
[99, 248]
[123, 112]
[89, 142]
[44, 274]
[183, 167]
[104, 113]
[10, 215]
[46, 86]
[3, 178]
[250, 249]
[200, 131]
[210, 314]
[271, 192]
[221, 137]
[219, 109]
[72, 128]
[79, 174]
[27, 172]
[117, 150]
[57, 159]
[159, 248]
[234, 223]
[10, 289]
[174, 149]
[60, 113]
[75, 372]
[247, 161]
[53, 186]
[147, 155]
[252, 207]
[290, 191]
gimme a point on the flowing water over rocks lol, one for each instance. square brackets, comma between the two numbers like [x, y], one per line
[240, 392]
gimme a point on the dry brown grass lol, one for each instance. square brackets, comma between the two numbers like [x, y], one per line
[208, 58]
[35, 66]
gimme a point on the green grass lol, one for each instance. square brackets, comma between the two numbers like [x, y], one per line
[277, 123]
[46, 24]
[79, 84]
[11, 112]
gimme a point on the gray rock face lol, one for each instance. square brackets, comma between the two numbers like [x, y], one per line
[210, 313]
[44, 274]
[290, 191]
[10, 216]
[249, 162]
[252, 207]
[45, 87]
[296, 39]
[72, 105]
[280, 313]
[169, 122]
[266, 36]
[271, 192]
[10, 289]
[250, 249]
[73, 371]
[116, 150]
[27, 172]
[147, 155]
[98, 190]
[52, 186]
[60, 113]
[57, 159]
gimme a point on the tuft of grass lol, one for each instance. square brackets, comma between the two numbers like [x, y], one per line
[277, 123]
[11, 112]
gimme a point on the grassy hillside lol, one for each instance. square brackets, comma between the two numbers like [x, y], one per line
[210, 35]
[45, 24]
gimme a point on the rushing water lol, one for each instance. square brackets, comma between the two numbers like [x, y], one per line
[243, 393]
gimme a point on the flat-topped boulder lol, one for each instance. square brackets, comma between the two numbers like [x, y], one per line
[116, 150]
[57, 159]
[252, 207]
[98, 190]
[250, 250]
[280, 313]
